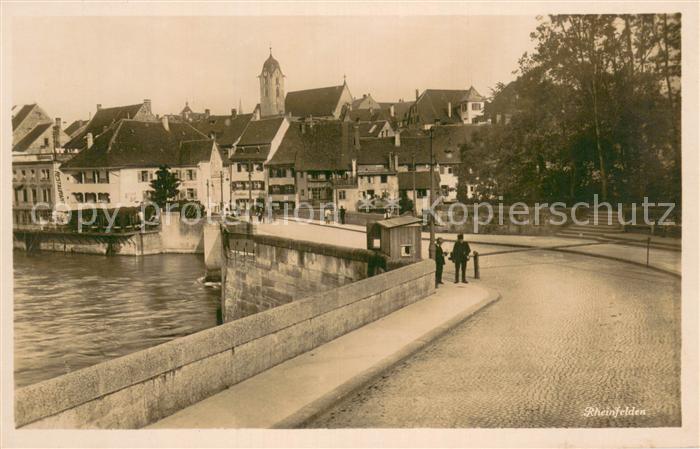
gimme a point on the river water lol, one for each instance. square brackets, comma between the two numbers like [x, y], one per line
[76, 310]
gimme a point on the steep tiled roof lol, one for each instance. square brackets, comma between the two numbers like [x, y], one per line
[103, 119]
[319, 102]
[422, 180]
[30, 137]
[372, 129]
[473, 95]
[291, 145]
[75, 127]
[226, 129]
[323, 146]
[193, 152]
[432, 105]
[447, 141]
[21, 115]
[251, 153]
[365, 102]
[368, 115]
[131, 143]
[260, 132]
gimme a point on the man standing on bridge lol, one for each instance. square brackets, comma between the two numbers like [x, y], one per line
[439, 261]
[460, 256]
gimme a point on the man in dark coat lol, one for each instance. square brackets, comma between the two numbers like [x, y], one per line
[439, 261]
[460, 256]
[342, 214]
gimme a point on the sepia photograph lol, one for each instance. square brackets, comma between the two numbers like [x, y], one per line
[429, 224]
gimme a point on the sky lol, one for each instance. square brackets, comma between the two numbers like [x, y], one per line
[70, 64]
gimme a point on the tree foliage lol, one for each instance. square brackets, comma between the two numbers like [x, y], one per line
[594, 109]
[165, 186]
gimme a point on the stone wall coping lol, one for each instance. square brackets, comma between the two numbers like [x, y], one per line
[53, 396]
[340, 252]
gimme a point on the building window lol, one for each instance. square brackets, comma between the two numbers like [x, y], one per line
[259, 167]
[35, 196]
[449, 170]
[24, 173]
[191, 194]
[370, 180]
[144, 176]
[406, 250]
[47, 195]
[341, 194]
[102, 176]
[421, 193]
[383, 179]
[191, 175]
[46, 142]
[370, 193]
[476, 106]
[78, 197]
[90, 197]
[44, 174]
[103, 197]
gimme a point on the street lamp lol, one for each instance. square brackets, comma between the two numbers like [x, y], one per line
[431, 249]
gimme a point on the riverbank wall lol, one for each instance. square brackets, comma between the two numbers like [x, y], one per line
[173, 235]
[143, 387]
[260, 272]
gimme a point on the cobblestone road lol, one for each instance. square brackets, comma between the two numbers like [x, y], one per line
[570, 332]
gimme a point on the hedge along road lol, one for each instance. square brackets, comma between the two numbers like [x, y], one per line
[572, 339]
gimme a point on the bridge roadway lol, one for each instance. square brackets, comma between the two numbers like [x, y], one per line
[571, 334]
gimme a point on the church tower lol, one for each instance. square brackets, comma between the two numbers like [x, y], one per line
[271, 88]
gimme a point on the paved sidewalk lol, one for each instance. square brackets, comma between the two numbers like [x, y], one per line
[290, 393]
[667, 261]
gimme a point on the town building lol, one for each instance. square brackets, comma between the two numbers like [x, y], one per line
[365, 102]
[104, 118]
[35, 132]
[325, 103]
[257, 145]
[37, 152]
[225, 129]
[446, 107]
[328, 162]
[75, 128]
[188, 115]
[118, 166]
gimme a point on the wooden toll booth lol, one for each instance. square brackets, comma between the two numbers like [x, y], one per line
[398, 238]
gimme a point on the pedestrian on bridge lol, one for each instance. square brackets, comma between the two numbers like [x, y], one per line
[460, 257]
[439, 261]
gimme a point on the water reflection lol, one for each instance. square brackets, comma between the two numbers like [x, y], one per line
[76, 310]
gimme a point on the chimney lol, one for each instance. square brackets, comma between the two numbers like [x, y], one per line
[354, 168]
[397, 139]
[449, 109]
[99, 106]
[416, 94]
[392, 111]
[89, 140]
[303, 128]
[391, 161]
[206, 113]
[396, 161]
[234, 113]
[147, 106]
[166, 124]
[57, 133]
